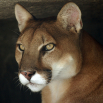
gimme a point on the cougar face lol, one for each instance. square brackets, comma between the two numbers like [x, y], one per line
[46, 50]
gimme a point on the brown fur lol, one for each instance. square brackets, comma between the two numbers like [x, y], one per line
[85, 85]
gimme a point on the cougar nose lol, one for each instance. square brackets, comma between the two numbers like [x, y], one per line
[28, 74]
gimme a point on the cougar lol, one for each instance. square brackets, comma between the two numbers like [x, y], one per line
[57, 57]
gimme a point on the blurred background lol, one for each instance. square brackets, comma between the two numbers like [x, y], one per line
[10, 89]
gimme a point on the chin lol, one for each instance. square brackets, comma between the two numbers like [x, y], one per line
[35, 87]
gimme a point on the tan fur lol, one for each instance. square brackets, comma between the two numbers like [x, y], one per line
[81, 79]
[87, 86]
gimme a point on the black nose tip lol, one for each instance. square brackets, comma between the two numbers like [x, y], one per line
[27, 74]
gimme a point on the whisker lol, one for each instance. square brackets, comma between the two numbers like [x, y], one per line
[16, 72]
[26, 90]
[18, 85]
[23, 87]
[14, 31]
[15, 78]
[30, 92]
[17, 81]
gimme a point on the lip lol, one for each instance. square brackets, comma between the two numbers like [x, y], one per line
[32, 83]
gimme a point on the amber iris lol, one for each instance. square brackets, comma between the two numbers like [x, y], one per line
[49, 47]
[21, 47]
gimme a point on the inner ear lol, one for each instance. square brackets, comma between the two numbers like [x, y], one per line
[22, 16]
[70, 16]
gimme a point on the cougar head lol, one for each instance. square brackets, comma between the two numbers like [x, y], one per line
[48, 49]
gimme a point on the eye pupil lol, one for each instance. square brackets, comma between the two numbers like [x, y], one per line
[21, 47]
[49, 47]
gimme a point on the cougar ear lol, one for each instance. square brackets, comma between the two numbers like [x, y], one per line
[22, 16]
[70, 16]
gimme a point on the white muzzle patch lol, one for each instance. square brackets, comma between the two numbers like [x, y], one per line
[36, 83]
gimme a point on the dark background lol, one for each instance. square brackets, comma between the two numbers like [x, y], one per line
[10, 89]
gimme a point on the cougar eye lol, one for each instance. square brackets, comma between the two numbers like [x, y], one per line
[21, 47]
[49, 47]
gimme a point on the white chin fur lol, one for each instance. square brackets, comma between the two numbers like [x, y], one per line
[37, 82]
[35, 87]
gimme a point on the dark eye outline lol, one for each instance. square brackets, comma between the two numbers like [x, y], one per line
[45, 49]
[20, 47]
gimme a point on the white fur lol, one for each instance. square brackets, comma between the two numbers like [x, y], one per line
[38, 79]
[64, 69]
[36, 87]
[36, 83]
[55, 88]
[23, 80]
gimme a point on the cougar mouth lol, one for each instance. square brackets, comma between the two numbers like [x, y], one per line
[32, 83]
[35, 87]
